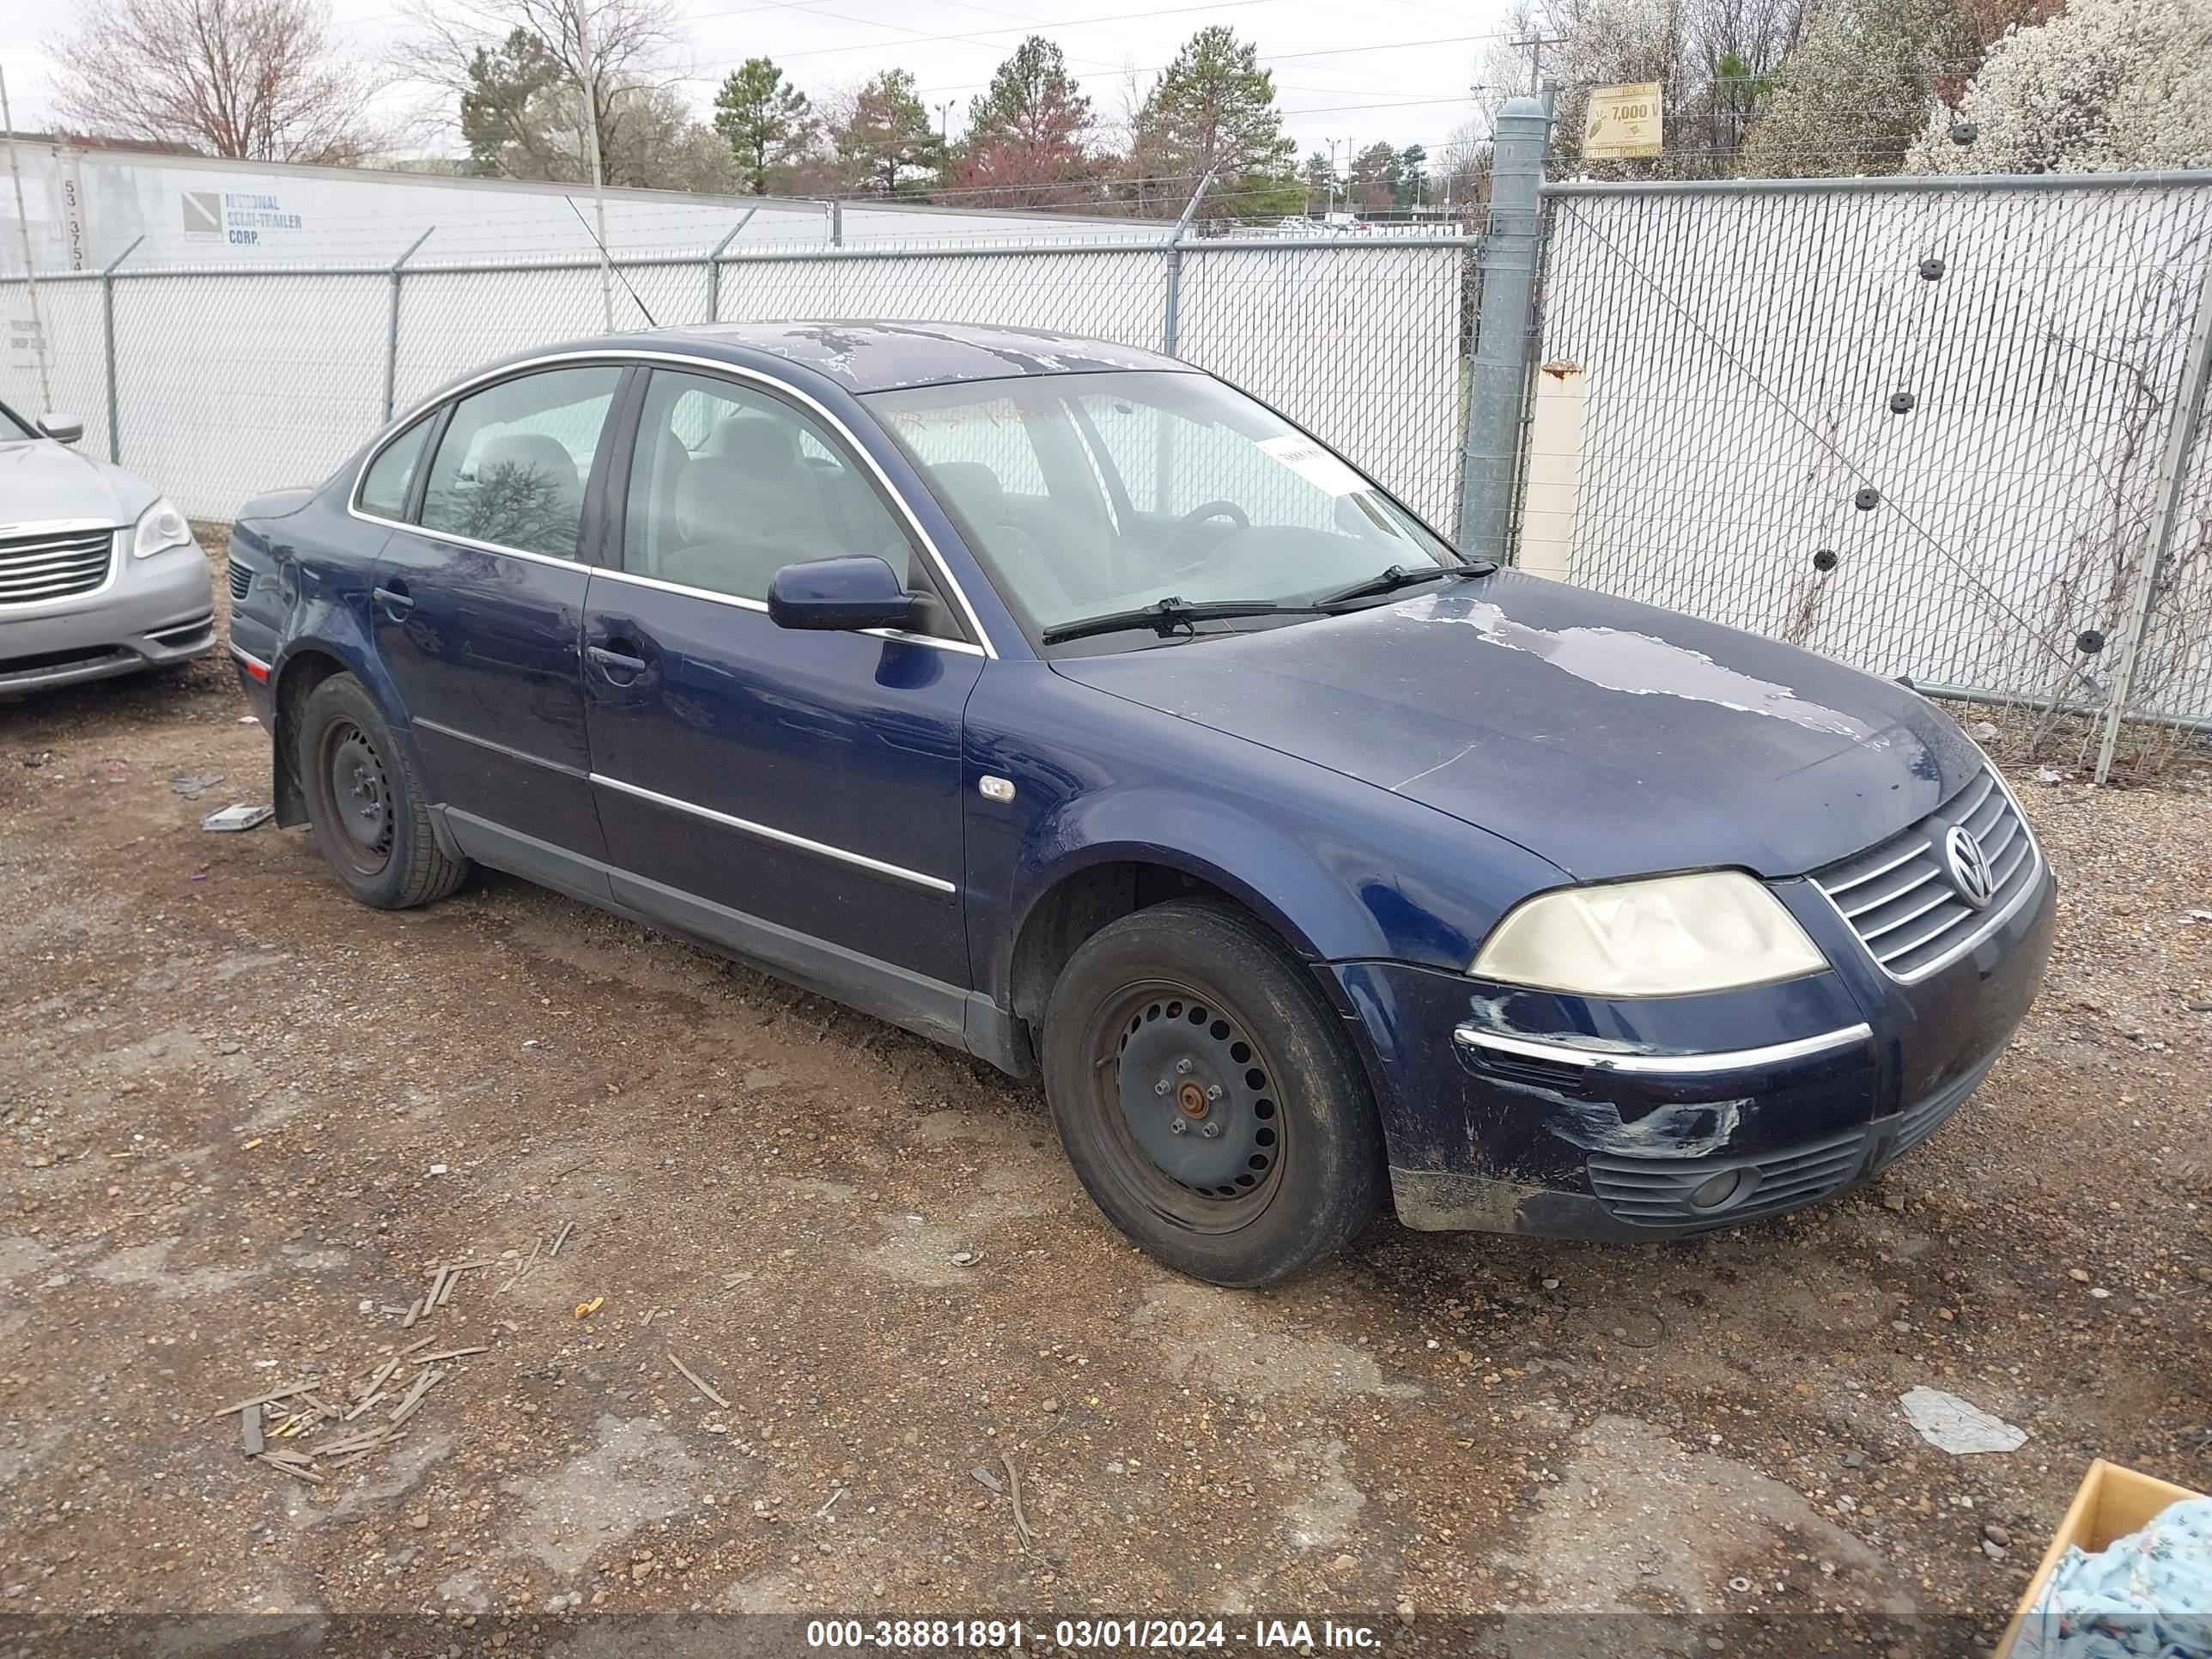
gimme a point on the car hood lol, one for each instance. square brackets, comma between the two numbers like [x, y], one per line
[1611, 737]
[41, 480]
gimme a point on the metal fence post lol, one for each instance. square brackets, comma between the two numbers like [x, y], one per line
[714, 267]
[107, 337]
[392, 324]
[1505, 337]
[1171, 322]
[2172, 475]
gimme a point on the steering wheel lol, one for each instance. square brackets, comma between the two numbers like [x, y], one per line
[1190, 521]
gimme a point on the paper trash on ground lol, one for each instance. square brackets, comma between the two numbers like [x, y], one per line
[239, 816]
[1955, 1426]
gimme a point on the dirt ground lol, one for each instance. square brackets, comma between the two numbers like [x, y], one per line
[246, 1120]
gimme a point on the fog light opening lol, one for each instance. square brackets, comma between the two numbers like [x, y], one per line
[1718, 1191]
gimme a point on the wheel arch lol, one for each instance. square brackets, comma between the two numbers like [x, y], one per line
[305, 662]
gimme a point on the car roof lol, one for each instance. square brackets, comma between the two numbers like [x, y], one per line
[878, 356]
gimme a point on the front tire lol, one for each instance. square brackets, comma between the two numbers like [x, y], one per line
[1208, 1097]
[370, 816]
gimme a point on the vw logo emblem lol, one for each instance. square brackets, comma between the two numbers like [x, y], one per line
[1969, 866]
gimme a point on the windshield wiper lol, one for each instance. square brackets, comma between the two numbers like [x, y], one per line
[1169, 615]
[1398, 576]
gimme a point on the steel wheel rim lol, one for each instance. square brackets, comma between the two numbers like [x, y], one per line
[357, 797]
[1217, 1076]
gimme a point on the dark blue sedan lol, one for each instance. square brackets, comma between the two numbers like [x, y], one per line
[1061, 703]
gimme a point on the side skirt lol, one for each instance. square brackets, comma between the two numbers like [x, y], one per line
[944, 1013]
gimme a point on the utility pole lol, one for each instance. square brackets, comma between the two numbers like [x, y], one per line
[1534, 44]
[589, 65]
[944, 122]
[30, 270]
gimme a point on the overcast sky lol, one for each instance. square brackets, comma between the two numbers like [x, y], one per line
[1394, 69]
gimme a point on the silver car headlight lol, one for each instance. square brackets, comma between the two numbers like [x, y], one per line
[161, 527]
[1662, 937]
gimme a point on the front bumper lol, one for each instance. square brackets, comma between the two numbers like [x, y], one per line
[1507, 1111]
[149, 613]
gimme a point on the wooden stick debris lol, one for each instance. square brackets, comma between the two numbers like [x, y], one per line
[286, 1467]
[523, 1272]
[697, 1383]
[453, 1282]
[1014, 1491]
[407, 1406]
[453, 1353]
[412, 1346]
[559, 1239]
[414, 1313]
[364, 1406]
[383, 1375]
[437, 1287]
[249, 1429]
[285, 1392]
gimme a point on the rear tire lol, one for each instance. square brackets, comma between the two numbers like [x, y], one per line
[370, 816]
[1208, 1097]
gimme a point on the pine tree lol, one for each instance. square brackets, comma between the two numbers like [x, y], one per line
[888, 138]
[765, 120]
[1213, 110]
[1027, 134]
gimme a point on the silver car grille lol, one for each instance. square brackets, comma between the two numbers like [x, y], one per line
[1899, 897]
[53, 566]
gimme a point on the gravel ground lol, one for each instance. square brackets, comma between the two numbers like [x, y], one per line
[246, 1120]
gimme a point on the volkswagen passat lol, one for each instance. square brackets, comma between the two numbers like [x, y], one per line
[99, 574]
[1066, 705]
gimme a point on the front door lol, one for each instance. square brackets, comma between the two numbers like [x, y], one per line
[794, 795]
[478, 610]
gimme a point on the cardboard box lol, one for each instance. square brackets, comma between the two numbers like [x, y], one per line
[2112, 1502]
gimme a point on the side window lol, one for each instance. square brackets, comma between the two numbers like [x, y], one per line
[729, 485]
[386, 486]
[512, 466]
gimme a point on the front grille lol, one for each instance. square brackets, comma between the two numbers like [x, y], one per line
[1655, 1192]
[1898, 896]
[1916, 1123]
[53, 566]
[241, 582]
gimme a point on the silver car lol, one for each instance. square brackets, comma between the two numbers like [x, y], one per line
[99, 574]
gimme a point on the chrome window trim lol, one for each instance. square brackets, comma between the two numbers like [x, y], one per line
[739, 601]
[981, 645]
[1730, 1060]
[2037, 872]
[782, 837]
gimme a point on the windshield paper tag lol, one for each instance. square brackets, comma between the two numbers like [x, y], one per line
[1315, 464]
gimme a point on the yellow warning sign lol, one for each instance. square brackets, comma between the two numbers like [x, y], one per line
[1623, 122]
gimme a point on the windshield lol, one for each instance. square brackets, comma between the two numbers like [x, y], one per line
[13, 426]
[1088, 495]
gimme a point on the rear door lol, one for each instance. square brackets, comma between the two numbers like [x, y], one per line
[794, 795]
[478, 610]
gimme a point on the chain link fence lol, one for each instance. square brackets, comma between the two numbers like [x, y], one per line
[1914, 426]
[1917, 425]
[228, 382]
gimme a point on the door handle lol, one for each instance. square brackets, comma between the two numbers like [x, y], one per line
[395, 599]
[619, 667]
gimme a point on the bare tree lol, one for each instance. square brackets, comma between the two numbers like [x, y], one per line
[258, 80]
[552, 81]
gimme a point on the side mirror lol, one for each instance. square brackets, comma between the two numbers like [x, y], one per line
[839, 594]
[62, 429]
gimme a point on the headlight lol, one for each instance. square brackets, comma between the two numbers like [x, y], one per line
[1649, 938]
[160, 526]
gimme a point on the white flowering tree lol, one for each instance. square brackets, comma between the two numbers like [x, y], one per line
[2106, 85]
